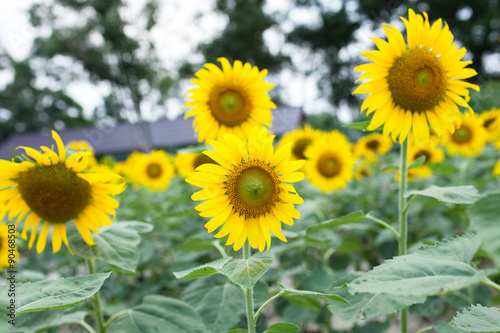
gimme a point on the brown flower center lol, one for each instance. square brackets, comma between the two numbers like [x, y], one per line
[55, 193]
[373, 144]
[300, 147]
[202, 159]
[423, 152]
[230, 106]
[154, 170]
[329, 165]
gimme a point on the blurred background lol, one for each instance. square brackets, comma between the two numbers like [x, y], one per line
[72, 63]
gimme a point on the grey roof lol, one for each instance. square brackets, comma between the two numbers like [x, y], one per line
[129, 137]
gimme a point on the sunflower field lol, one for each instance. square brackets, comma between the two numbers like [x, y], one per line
[389, 225]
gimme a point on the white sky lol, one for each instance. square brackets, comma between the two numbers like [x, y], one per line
[180, 28]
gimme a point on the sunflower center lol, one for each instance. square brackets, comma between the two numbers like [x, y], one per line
[300, 147]
[329, 166]
[229, 105]
[462, 135]
[202, 159]
[421, 153]
[417, 80]
[154, 170]
[253, 188]
[487, 123]
[373, 144]
[54, 192]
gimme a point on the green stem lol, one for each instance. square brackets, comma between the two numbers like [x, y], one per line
[267, 302]
[489, 283]
[99, 318]
[86, 326]
[403, 232]
[219, 248]
[383, 223]
[249, 294]
[115, 316]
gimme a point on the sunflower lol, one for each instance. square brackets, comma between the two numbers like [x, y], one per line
[301, 139]
[415, 86]
[82, 145]
[5, 246]
[431, 152]
[330, 162]
[187, 163]
[249, 192]
[55, 189]
[363, 170]
[152, 170]
[468, 139]
[490, 120]
[372, 144]
[229, 100]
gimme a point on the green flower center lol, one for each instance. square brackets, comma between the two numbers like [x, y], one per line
[417, 80]
[154, 170]
[229, 105]
[329, 166]
[55, 193]
[300, 147]
[253, 188]
[462, 135]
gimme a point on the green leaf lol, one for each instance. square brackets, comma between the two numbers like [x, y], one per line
[452, 194]
[246, 273]
[418, 162]
[282, 328]
[478, 319]
[369, 305]
[43, 320]
[390, 167]
[219, 303]
[485, 221]
[431, 270]
[117, 244]
[442, 327]
[214, 267]
[332, 297]
[159, 314]
[361, 126]
[354, 217]
[237, 330]
[56, 294]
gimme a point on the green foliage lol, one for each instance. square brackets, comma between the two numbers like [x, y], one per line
[478, 319]
[452, 194]
[282, 328]
[38, 321]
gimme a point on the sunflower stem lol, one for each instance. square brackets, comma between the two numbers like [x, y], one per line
[403, 232]
[249, 294]
[96, 300]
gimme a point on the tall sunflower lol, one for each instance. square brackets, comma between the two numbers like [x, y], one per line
[249, 192]
[431, 152]
[301, 138]
[417, 86]
[330, 162]
[154, 170]
[5, 246]
[468, 139]
[370, 145]
[55, 189]
[490, 120]
[229, 100]
[187, 163]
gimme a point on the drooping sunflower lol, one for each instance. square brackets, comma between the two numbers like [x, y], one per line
[187, 163]
[372, 144]
[55, 189]
[229, 100]
[417, 86]
[5, 246]
[154, 170]
[490, 120]
[249, 193]
[330, 162]
[301, 139]
[468, 139]
[82, 145]
[431, 152]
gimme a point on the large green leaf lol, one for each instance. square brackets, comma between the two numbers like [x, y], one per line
[369, 305]
[55, 294]
[213, 267]
[452, 194]
[282, 328]
[354, 217]
[431, 270]
[36, 321]
[485, 218]
[117, 244]
[159, 314]
[478, 319]
[246, 273]
[219, 302]
[291, 291]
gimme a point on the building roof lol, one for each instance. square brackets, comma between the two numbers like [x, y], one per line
[130, 137]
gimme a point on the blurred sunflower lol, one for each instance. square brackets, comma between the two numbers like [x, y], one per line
[330, 162]
[4, 246]
[187, 163]
[363, 170]
[431, 152]
[248, 192]
[55, 189]
[232, 100]
[370, 145]
[154, 170]
[490, 120]
[301, 139]
[468, 139]
[416, 86]
[496, 169]
[82, 145]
